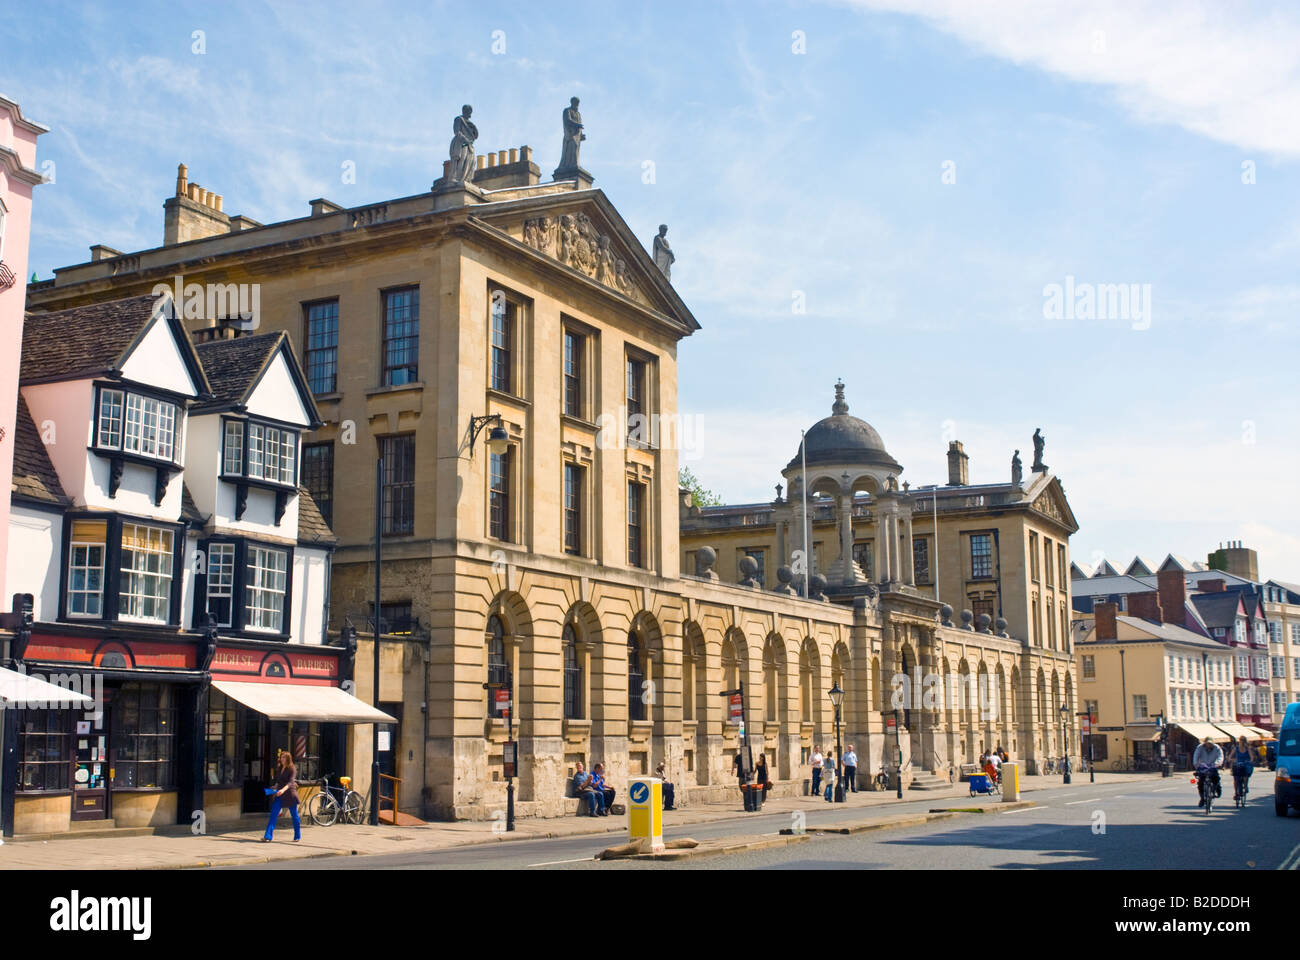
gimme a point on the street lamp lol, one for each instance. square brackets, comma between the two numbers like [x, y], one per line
[1065, 747]
[498, 441]
[837, 700]
[510, 750]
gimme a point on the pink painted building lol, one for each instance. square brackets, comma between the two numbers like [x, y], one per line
[17, 177]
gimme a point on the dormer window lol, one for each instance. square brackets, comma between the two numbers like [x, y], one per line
[137, 424]
[258, 451]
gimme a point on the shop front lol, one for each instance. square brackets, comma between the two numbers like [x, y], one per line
[161, 738]
[264, 701]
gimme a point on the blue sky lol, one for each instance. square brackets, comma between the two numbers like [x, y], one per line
[1105, 143]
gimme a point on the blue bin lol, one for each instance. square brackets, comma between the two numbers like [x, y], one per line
[979, 783]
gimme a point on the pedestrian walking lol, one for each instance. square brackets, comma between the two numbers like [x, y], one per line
[761, 777]
[850, 770]
[285, 791]
[816, 761]
[828, 775]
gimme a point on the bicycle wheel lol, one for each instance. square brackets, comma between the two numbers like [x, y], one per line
[323, 809]
[354, 808]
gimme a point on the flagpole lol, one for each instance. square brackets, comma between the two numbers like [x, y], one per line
[803, 491]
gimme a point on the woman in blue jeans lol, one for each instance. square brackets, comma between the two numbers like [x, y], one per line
[286, 791]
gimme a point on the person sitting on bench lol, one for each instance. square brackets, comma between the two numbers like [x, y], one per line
[662, 773]
[598, 781]
[586, 790]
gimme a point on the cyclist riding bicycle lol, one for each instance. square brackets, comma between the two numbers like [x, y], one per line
[1243, 764]
[1208, 757]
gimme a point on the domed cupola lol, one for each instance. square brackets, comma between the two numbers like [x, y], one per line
[842, 439]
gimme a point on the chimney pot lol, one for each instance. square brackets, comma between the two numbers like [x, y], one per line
[501, 157]
[481, 161]
[217, 203]
[514, 154]
[192, 191]
[526, 153]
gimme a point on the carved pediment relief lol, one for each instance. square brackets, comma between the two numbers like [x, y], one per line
[574, 240]
[1048, 504]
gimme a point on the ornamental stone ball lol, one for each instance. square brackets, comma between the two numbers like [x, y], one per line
[817, 587]
[748, 571]
[945, 615]
[705, 558]
[784, 576]
[1001, 625]
[966, 618]
[984, 620]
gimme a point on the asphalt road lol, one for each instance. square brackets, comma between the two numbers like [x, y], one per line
[1148, 823]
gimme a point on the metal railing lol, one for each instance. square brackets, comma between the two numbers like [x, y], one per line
[7, 278]
[383, 799]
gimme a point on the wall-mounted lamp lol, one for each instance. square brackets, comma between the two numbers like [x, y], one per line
[498, 441]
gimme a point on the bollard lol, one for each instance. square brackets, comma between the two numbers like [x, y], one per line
[645, 817]
[1010, 781]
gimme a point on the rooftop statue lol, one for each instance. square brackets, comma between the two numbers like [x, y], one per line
[462, 146]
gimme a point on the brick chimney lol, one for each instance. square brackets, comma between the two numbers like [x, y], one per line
[1146, 606]
[1105, 616]
[1212, 586]
[193, 213]
[958, 465]
[1173, 596]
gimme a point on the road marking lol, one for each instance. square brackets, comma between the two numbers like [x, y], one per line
[551, 863]
[1017, 810]
[1089, 800]
[1289, 862]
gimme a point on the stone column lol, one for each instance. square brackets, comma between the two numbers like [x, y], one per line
[909, 571]
[846, 539]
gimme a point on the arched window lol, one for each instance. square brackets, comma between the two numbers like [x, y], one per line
[497, 671]
[572, 675]
[689, 660]
[635, 678]
[771, 681]
[730, 665]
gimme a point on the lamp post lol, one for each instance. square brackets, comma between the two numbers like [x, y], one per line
[1065, 746]
[1092, 765]
[498, 441]
[898, 747]
[374, 727]
[510, 751]
[837, 700]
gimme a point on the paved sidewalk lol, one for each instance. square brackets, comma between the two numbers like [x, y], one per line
[175, 848]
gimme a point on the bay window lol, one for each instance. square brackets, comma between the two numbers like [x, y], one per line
[137, 424]
[146, 573]
[264, 589]
[260, 452]
[85, 597]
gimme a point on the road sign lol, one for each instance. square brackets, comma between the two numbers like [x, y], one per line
[645, 811]
[509, 757]
[891, 723]
[1085, 725]
[736, 709]
[502, 701]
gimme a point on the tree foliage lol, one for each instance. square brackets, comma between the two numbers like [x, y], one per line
[703, 498]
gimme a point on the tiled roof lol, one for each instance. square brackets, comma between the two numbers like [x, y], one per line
[312, 527]
[1106, 586]
[33, 474]
[1217, 609]
[233, 366]
[82, 341]
[1169, 631]
[189, 510]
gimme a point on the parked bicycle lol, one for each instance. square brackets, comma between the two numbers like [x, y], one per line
[881, 780]
[330, 804]
[1049, 767]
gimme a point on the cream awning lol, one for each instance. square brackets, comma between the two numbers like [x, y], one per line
[1234, 729]
[296, 701]
[31, 691]
[1202, 730]
[1260, 734]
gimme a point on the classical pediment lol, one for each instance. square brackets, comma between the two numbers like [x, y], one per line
[1052, 503]
[578, 241]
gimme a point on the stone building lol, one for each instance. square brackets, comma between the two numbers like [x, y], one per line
[509, 349]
